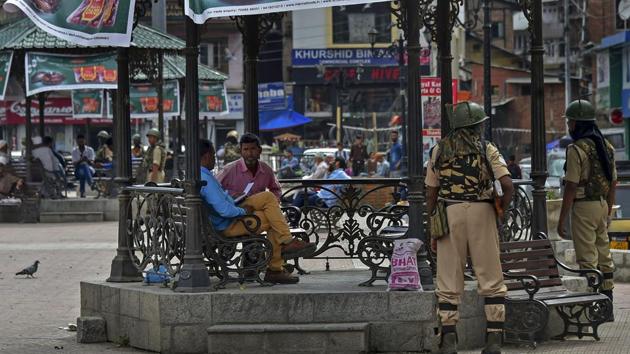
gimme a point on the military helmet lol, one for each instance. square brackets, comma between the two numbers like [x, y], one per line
[233, 133]
[103, 134]
[154, 132]
[136, 137]
[466, 114]
[580, 110]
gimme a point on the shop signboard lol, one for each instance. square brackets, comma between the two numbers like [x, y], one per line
[212, 99]
[201, 10]
[6, 57]
[84, 22]
[87, 103]
[57, 110]
[55, 72]
[309, 57]
[271, 96]
[431, 89]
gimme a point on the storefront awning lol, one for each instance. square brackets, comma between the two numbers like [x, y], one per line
[283, 119]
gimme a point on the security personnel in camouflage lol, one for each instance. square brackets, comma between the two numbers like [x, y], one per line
[231, 150]
[589, 192]
[103, 153]
[460, 174]
[137, 150]
[154, 157]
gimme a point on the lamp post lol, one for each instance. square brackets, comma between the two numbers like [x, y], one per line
[397, 47]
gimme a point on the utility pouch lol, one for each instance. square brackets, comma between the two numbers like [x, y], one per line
[438, 222]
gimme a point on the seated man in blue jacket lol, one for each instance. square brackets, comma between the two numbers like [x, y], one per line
[327, 197]
[264, 205]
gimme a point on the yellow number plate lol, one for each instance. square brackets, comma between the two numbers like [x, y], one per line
[619, 245]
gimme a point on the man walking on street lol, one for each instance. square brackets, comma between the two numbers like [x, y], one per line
[589, 193]
[514, 168]
[460, 175]
[358, 155]
[395, 152]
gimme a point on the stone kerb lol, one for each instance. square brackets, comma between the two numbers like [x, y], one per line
[157, 319]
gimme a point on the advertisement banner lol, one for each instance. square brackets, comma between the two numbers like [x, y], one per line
[201, 10]
[143, 100]
[212, 99]
[84, 22]
[87, 103]
[6, 57]
[431, 89]
[271, 96]
[55, 72]
[57, 110]
[355, 56]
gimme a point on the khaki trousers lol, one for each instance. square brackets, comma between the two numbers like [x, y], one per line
[589, 231]
[266, 207]
[472, 230]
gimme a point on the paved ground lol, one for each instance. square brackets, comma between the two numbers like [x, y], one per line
[34, 309]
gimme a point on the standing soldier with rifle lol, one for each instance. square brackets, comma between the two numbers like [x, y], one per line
[589, 193]
[154, 158]
[460, 200]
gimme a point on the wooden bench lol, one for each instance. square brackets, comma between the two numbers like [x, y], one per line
[534, 286]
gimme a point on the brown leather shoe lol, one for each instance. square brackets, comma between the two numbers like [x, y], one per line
[297, 248]
[280, 277]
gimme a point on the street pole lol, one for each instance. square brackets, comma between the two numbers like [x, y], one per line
[487, 73]
[160, 92]
[252, 49]
[123, 269]
[416, 183]
[29, 136]
[403, 118]
[567, 54]
[193, 275]
[41, 98]
[539, 158]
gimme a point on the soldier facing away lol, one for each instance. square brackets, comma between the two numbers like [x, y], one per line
[459, 181]
[154, 157]
[589, 193]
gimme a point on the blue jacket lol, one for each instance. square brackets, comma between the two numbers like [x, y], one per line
[329, 198]
[219, 200]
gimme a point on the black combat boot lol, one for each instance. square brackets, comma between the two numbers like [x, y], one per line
[493, 343]
[449, 343]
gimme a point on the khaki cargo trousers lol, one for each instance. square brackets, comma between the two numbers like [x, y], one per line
[473, 231]
[589, 231]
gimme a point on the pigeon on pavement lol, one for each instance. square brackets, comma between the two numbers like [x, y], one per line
[29, 271]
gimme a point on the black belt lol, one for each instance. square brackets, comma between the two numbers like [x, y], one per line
[592, 199]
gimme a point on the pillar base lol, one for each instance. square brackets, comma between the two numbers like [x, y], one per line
[123, 270]
[426, 275]
[193, 278]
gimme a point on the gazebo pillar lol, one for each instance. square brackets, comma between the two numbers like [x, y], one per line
[444, 27]
[251, 42]
[123, 269]
[28, 127]
[193, 275]
[533, 12]
[414, 145]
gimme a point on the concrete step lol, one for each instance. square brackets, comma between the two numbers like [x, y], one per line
[289, 338]
[75, 216]
[107, 207]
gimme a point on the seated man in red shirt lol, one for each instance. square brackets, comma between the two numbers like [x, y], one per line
[236, 175]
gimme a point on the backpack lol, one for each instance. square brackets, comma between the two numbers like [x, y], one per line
[596, 186]
[463, 177]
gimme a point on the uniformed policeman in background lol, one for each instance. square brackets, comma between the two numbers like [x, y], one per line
[460, 174]
[589, 192]
[103, 153]
[231, 150]
[154, 157]
[137, 150]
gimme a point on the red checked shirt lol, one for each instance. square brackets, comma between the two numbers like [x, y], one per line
[235, 176]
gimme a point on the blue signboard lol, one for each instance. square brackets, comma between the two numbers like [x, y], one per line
[271, 96]
[342, 56]
[625, 103]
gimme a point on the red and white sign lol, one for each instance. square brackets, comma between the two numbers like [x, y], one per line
[431, 91]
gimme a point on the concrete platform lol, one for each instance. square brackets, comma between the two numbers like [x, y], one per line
[158, 319]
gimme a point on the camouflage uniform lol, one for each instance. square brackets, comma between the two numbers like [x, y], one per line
[589, 215]
[462, 167]
[155, 154]
[232, 153]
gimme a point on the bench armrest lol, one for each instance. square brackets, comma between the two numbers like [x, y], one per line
[530, 283]
[292, 213]
[594, 282]
[251, 223]
[378, 220]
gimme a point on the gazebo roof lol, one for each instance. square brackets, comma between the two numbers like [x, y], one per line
[24, 34]
[175, 68]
